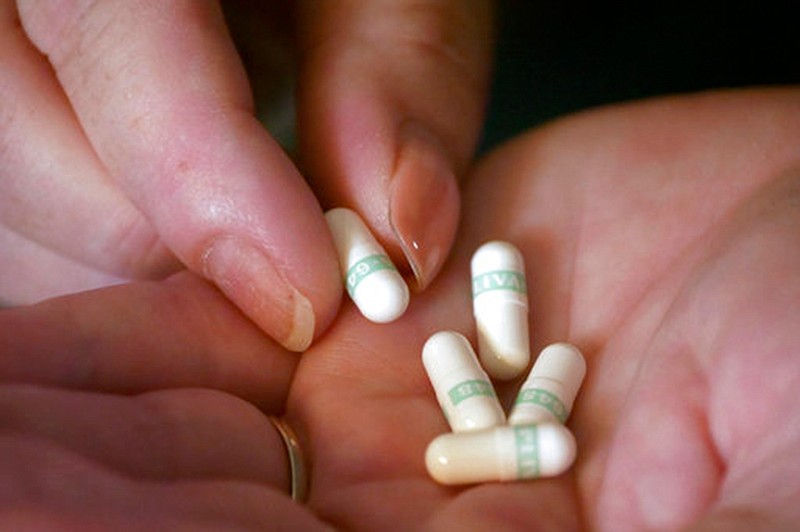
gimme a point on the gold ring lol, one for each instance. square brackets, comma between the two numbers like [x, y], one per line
[297, 465]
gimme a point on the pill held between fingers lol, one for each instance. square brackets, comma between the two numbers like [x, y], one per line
[373, 282]
[501, 454]
[462, 388]
[551, 386]
[500, 307]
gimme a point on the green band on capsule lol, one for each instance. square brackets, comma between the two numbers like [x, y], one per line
[366, 266]
[499, 280]
[547, 400]
[467, 389]
[526, 440]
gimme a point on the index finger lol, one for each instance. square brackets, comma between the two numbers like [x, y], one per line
[391, 107]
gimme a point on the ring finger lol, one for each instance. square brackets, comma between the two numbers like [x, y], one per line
[167, 435]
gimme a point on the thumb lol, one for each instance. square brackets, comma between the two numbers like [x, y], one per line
[391, 105]
[161, 97]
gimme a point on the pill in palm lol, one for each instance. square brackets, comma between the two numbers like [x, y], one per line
[501, 454]
[500, 307]
[373, 282]
[551, 386]
[462, 388]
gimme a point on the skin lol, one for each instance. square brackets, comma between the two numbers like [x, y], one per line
[660, 237]
[129, 148]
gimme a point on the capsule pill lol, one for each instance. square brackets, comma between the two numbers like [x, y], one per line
[373, 282]
[462, 388]
[503, 453]
[500, 307]
[551, 386]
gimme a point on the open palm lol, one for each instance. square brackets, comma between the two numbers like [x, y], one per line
[660, 237]
[664, 240]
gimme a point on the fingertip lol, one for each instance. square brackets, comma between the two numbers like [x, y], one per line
[292, 315]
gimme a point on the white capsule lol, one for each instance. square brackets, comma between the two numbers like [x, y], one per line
[550, 389]
[373, 283]
[501, 454]
[462, 388]
[500, 306]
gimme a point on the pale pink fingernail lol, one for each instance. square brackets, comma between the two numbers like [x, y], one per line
[246, 275]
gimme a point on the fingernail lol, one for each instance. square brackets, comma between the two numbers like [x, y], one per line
[423, 204]
[249, 279]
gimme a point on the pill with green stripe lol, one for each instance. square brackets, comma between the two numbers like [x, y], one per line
[462, 388]
[499, 454]
[500, 308]
[550, 388]
[371, 279]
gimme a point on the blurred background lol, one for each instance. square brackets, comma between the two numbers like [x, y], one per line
[555, 58]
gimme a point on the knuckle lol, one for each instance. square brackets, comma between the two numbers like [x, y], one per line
[446, 35]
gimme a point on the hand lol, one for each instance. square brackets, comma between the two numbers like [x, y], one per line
[659, 237]
[662, 239]
[141, 406]
[129, 148]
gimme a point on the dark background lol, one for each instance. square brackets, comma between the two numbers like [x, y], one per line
[554, 58]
